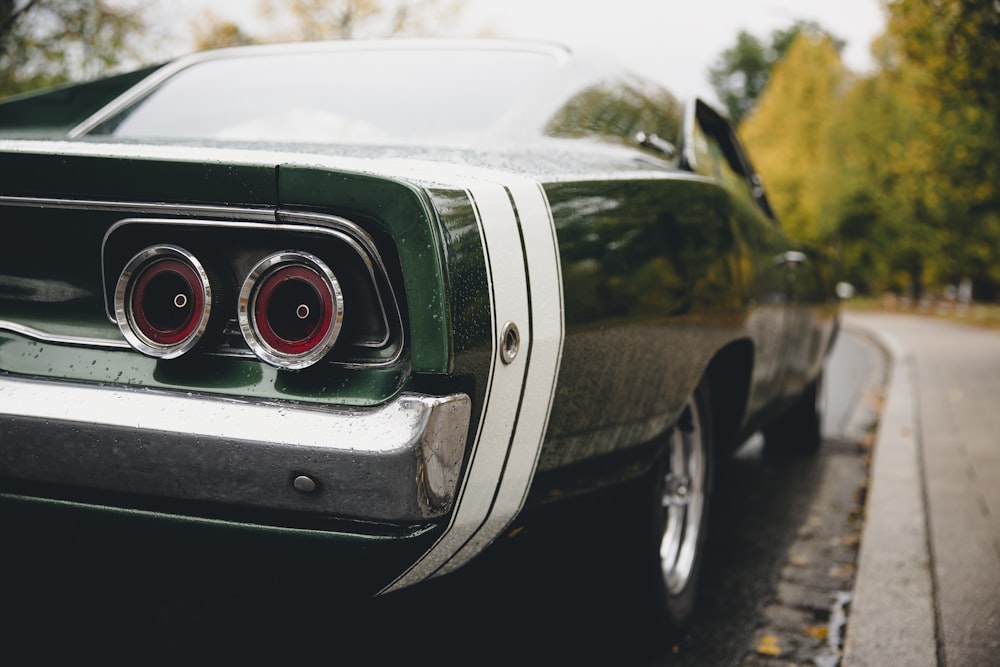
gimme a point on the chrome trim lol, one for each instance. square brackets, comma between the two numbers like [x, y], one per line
[400, 461]
[261, 214]
[125, 317]
[656, 143]
[688, 156]
[371, 256]
[254, 218]
[62, 339]
[510, 343]
[247, 306]
[343, 230]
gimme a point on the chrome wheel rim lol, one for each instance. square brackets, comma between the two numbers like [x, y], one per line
[682, 500]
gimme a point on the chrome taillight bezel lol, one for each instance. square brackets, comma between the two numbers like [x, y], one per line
[372, 333]
[134, 323]
[259, 332]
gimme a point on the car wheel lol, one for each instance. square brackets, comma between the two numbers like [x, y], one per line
[681, 493]
[798, 430]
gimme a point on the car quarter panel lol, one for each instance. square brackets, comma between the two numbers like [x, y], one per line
[495, 242]
[660, 274]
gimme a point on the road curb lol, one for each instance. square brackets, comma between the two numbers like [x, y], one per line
[892, 618]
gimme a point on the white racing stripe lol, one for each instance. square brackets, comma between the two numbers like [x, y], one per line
[526, 290]
[542, 368]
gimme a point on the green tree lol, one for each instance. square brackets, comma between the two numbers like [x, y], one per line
[884, 189]
[741, 72]
[49, 42]
[950, 49]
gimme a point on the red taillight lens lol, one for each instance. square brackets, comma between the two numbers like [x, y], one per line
[291, 309]
[163, 301]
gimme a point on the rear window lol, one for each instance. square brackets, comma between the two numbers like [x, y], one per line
[355, 96]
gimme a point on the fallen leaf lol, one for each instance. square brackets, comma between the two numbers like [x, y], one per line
[842, 571]
[798, 560]
[819, 632]
[769, 646]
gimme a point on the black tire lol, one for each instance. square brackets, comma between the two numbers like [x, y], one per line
[677, 509]
[797, 432]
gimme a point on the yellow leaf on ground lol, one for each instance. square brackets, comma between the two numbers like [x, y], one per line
[816, 631]
[798, 560]
[769, 646]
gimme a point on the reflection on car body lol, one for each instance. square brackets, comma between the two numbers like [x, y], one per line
[383, 301]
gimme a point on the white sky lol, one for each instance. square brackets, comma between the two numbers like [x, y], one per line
[672, 41]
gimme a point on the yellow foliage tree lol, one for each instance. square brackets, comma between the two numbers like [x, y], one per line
[787, 134]
[897, 171]
[884, 192]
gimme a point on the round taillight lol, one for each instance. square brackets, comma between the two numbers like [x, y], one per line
[163, 300]
[291, 309]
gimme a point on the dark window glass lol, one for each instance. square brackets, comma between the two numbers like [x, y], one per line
[618, 111]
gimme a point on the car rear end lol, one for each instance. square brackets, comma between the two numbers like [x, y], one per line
[193, 362]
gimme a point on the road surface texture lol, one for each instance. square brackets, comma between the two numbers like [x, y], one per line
[782, 548]
[928, 588]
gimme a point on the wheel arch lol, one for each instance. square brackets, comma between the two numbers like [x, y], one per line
[729, 374]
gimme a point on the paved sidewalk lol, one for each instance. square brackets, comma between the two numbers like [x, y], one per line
[928, 584]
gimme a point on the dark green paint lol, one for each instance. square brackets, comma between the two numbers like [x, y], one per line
[403, 214]
[468, 299]
[200, 374]
[53, 113]
[633, 250]
[467, 280]
[128, 179]
[659, 275]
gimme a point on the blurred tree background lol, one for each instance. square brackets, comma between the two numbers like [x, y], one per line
[310, 20]
[896, 172]
[49, 42]
[743, 70]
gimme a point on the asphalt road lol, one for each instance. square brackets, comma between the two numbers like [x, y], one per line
[527, 603]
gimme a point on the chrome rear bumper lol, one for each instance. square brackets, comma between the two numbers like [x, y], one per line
[396, 462]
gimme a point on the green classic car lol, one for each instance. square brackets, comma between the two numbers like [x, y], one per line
[364, 307]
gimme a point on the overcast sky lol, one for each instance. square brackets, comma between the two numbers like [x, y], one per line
[673, 41]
